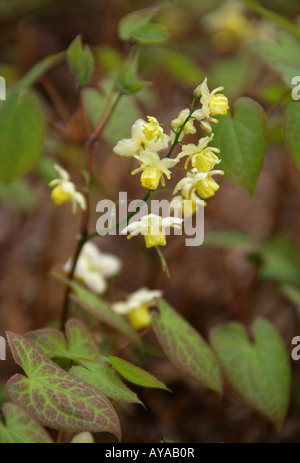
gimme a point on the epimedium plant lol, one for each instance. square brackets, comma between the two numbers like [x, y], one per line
[69, 384]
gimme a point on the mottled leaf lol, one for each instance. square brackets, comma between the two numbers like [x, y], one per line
[54, 397]
[135, 374]
[258, 370]
[242, 141]
[21, 428]
[78, 344]
[103, 377]
[100, 310]
[186, 348]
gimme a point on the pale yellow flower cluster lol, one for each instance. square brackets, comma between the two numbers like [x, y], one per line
[148, 139]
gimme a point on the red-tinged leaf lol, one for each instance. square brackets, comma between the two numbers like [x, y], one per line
[21, 428]
[186, 349]
[135, 374]
[103, 377]
[78, 344]
[54, 397]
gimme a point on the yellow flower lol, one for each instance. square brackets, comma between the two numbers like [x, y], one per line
[213, 104]
[179, 121]
[153, 169]
[202, 182]
[131, 146]
[201, 156]
[64, 190]
[152, 227]
[186, 204]
[136, 307]
[152, 130]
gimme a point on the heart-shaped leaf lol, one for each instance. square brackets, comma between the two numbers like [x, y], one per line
[79, 343]
[242, 141]
[54, 397]
[21, 428]
[22, 133]
[103, 377]
[291, 126]
[81, 61]
[258, 370]
[186, 349]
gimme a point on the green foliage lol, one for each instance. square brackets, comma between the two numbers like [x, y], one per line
[81, 61]
[280, 261]
[102, 376]
[38, 70]
[229, 239]
[125, 82]
[21, 115]
[54, 397]
[281, 56]
[78, 343]
[242, 140]
[21, 428]
[18, 194]
[258, 370]
[121, 121]
[180, 66]
[135, 374]
[100, 309]
[133, 21]
[151, 33]
[291, 128]
[186, 349]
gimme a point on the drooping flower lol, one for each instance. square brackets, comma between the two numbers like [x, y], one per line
[64, 190]
[152, 227]
[179, 121]
[93, 267]
[136, 307]
[202, 182]
[213, 104]
[201, 156]
[153, 168]
[187, 203]
[132, 146]
[153, 131]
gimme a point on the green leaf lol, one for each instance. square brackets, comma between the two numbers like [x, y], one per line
[242, 141]
[79, 343]
[22, 134]
[125, 82]
[38, 70]
[258, 370]
[291, 126]
[19, 194]
[151, 33]
[293, 293]
[21, 428]
[101, 310]
[81, 61]
[280, 261]
[186, 349]
[54, 397]
[120, 124]
[131, 22]
[230, 239]
[180, 66]
[102, 376]
[282, 55]
[135, 374]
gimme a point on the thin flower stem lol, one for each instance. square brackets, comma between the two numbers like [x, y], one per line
[94, 136]
[163, 261]
[84, 116]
